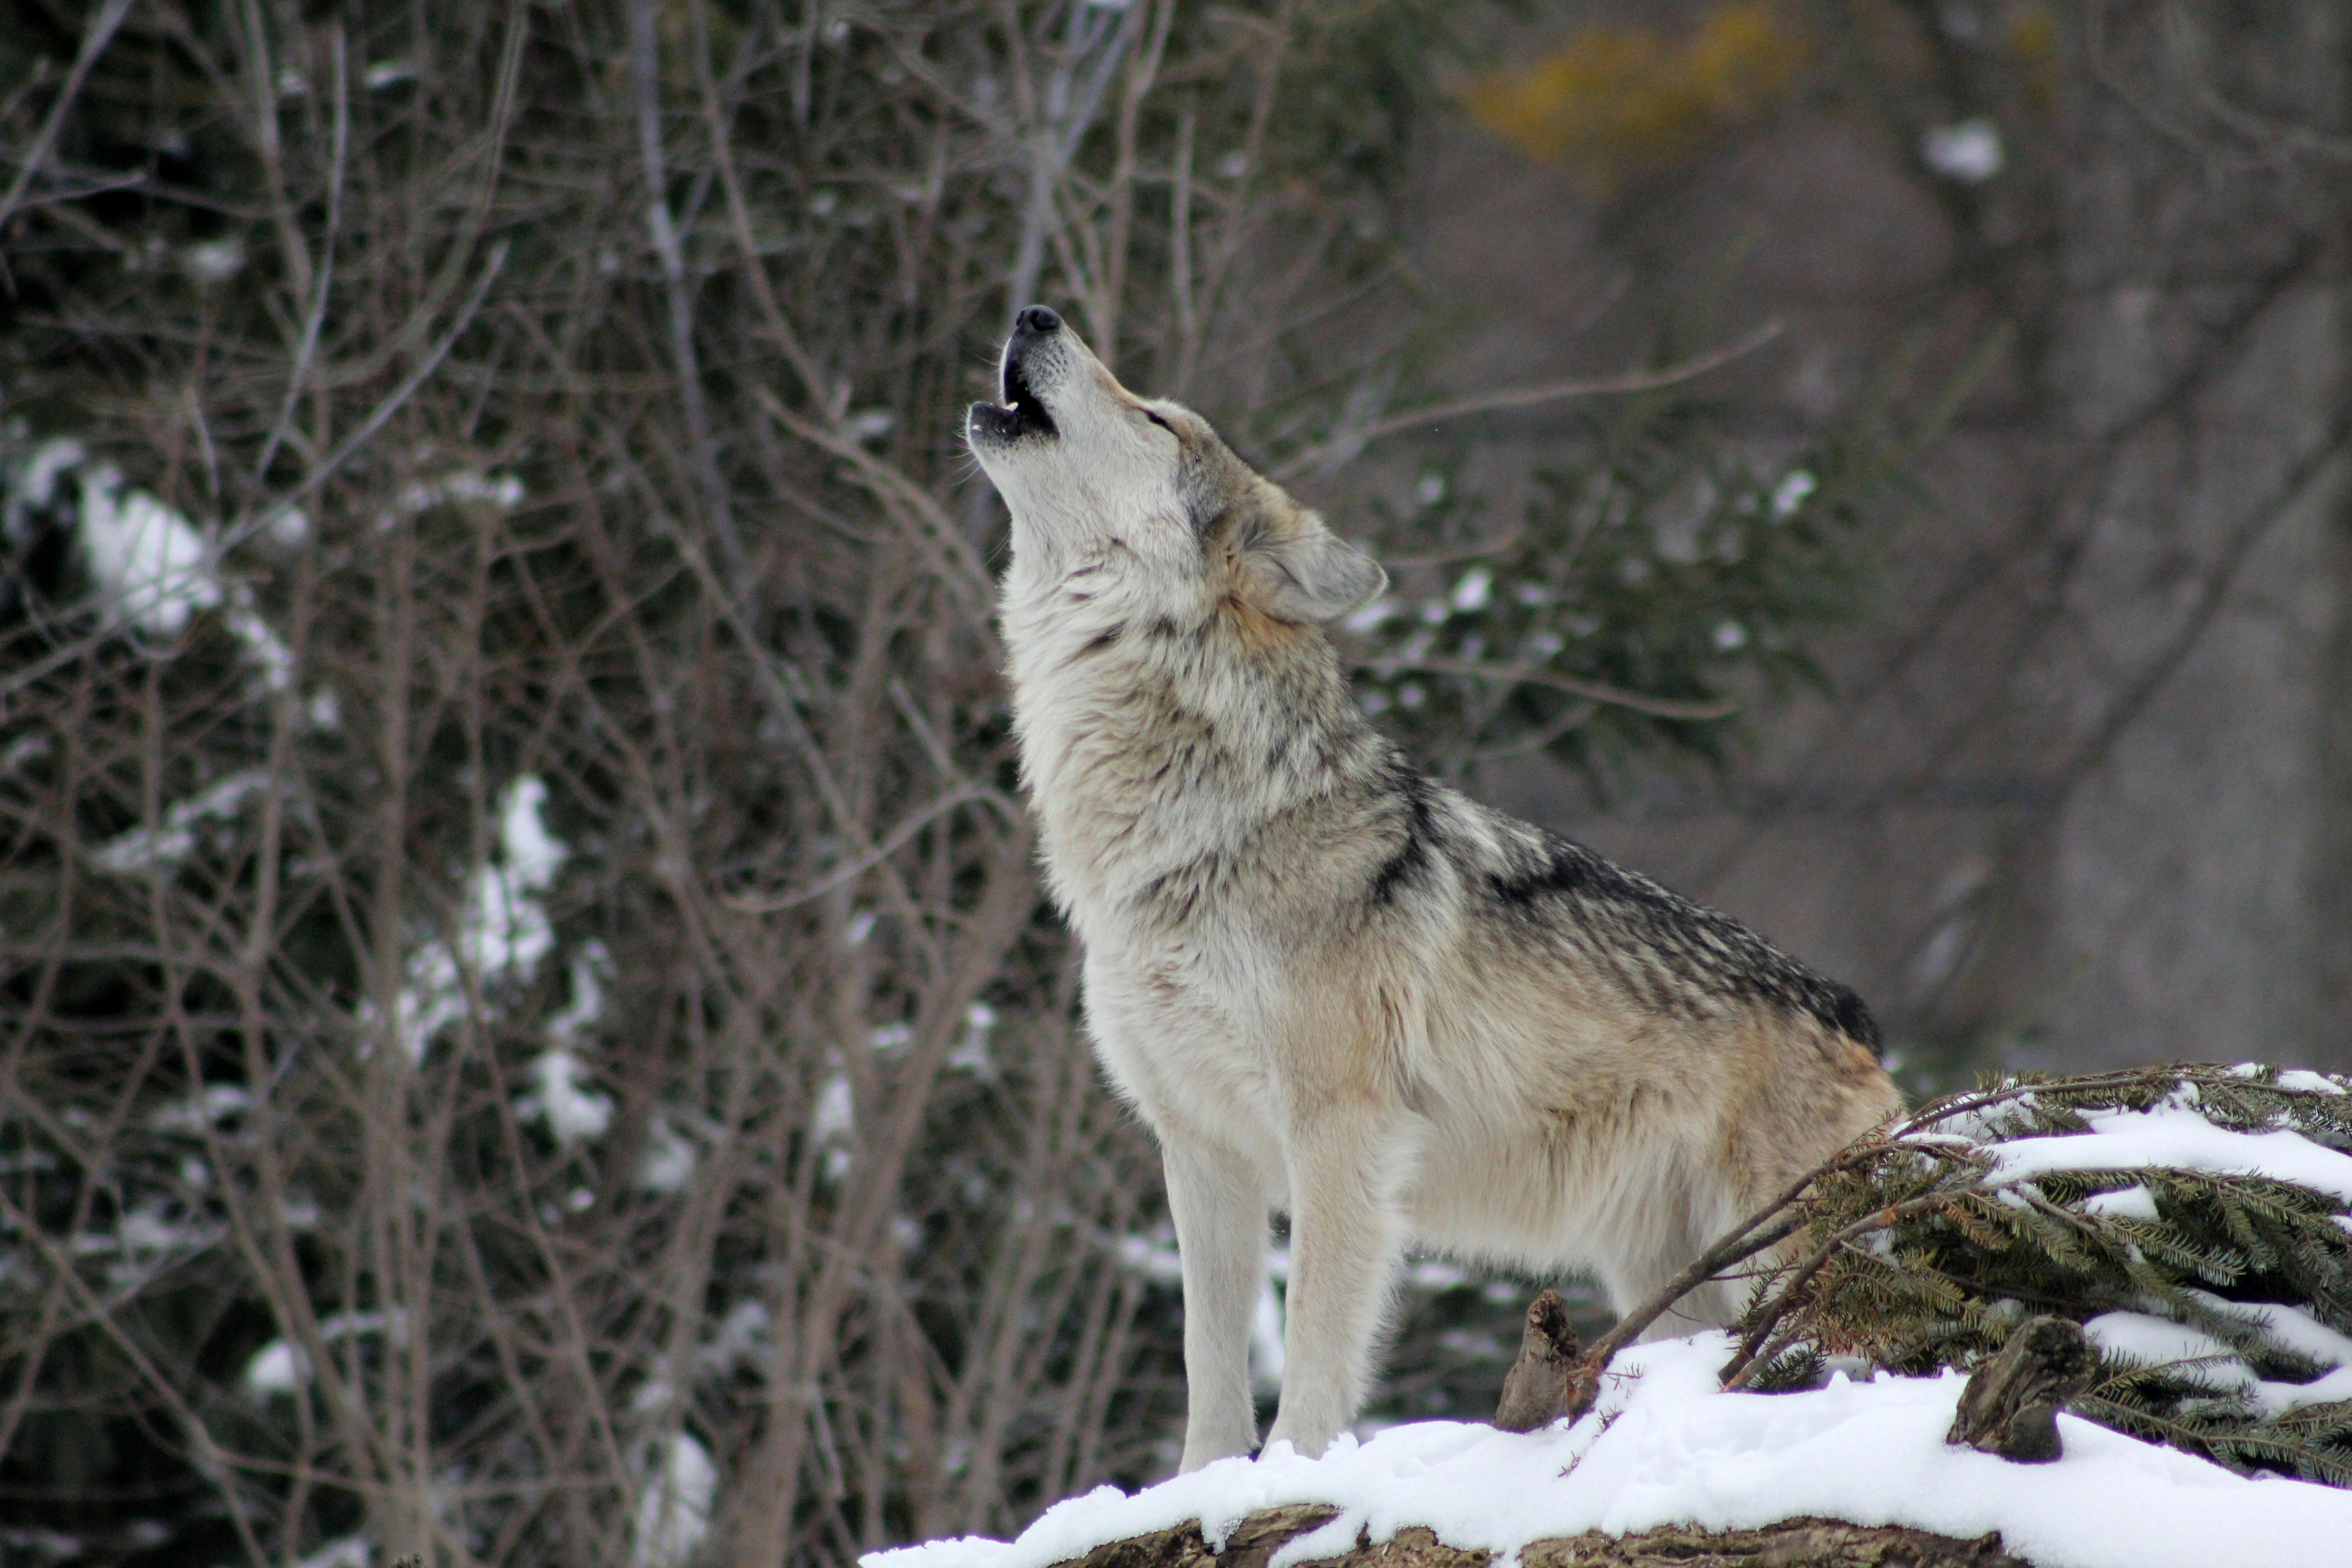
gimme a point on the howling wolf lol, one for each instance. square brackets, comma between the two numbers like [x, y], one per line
[1331, 986]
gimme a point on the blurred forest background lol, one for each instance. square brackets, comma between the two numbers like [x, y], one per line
[528, 1033]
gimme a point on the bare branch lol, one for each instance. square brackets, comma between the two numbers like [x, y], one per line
[1340, 449]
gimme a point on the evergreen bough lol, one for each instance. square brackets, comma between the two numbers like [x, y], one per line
[1919, 1253]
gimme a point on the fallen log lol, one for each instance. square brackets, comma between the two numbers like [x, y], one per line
[1791, 1544]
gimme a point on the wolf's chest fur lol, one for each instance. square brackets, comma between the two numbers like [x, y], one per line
[1185, 763]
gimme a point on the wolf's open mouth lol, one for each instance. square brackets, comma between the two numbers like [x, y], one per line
[1022, 412]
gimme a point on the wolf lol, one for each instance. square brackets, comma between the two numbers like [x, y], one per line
[1331, 986]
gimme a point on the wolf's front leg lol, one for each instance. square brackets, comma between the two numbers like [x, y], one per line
[1345, 1240]
[1220, 1213]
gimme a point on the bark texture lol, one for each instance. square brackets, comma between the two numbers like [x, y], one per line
[2011, 1402]
[1791, 1544]
[1536, 1389]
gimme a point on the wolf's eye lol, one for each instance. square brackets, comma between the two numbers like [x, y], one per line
[1157, 420]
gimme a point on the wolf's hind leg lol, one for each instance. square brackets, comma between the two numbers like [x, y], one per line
[1659, 1243]
[1220, 1213]
[1345, 1235]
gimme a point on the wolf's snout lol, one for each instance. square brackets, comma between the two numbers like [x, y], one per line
[1031, 355]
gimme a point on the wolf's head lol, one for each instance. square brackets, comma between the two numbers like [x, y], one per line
[1097, 475]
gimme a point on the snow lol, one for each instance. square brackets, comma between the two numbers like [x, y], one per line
[2174, 1136]
[215, 261]
[834, 1123]
[591, 966]
[2291, 1328]
[667, 1163]
[281, 1367]
[2294, 1329]
[36, 484]
[1666, 1446]
[2134, 1202]
[532, 854]
[503, 930]
[2309, 1082]
[149, 849]
[152, 568]
[1968, 152]
[2155, 1342]
[276, 1368]
[2333, 1389]
[836, 1110]
[743, 1340]
[1154, 1256]
[971, 1053]
[347, 1552]
[572, 1111]
[674, 1510]
[1267, 1348]
[503, 491]
[149, 562]
[201, 1109]
[1790, 493]
[146, 1241]
[1475, 590]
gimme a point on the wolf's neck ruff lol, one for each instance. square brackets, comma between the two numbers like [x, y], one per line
[1157, 738]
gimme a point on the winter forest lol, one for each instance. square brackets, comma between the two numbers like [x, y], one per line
[530, 1031]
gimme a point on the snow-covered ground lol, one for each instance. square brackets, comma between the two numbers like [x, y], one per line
[1666, 1446]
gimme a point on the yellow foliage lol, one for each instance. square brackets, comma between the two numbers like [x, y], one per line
[2032, 36]
[1615, 98]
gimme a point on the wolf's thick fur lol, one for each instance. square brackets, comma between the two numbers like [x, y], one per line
[1331, 984]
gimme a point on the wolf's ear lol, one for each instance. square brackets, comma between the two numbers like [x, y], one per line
[1310, 575]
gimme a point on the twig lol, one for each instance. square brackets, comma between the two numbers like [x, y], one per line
[382, 411]
[1597, 692]
[645, 69]
[1746, 1360]
[958, 563]
[1765, 1228]
[1527, 396]
[316, 317]
[102, 32]
[755, 904]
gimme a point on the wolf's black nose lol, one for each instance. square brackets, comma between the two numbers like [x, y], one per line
[1038, 319]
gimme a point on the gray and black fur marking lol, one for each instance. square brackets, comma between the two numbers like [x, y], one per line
[1672, 954]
